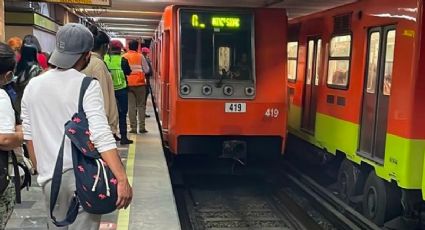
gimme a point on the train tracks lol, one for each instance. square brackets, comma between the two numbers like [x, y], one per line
[341, 215]
[274, 199]
[238, 202]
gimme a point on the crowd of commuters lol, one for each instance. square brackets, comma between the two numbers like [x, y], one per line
[39, 94]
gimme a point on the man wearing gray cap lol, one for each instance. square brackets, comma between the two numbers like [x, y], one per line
[49, 101]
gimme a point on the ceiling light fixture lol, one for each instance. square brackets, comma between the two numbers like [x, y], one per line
[152, 13]
[124, 19]
[130, 29]
[126, 24]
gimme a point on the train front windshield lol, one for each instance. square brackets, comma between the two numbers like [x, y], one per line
[216, 45]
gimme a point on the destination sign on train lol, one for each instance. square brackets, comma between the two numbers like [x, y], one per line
[216, 22]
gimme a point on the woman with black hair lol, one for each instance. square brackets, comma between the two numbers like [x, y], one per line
[26, 69]
[98, 70]
[41, 57]
[11, 135]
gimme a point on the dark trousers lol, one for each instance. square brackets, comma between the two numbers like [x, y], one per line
[122, 102]
[148, 91]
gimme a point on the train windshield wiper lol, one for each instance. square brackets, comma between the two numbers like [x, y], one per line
[219, 83]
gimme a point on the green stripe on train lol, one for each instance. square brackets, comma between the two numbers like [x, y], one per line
[404, 158]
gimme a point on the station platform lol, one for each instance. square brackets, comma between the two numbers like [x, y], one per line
[153, 206]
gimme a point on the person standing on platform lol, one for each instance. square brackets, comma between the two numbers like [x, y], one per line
[119, 68]
[15, 43]
[26, 69]
[98, 70]
[41, 57]
[10, 133]
[137, 87]
[145, 53]
[49, 102]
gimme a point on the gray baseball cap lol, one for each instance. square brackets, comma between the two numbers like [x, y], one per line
[72, 40]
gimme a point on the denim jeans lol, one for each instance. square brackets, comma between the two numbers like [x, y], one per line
[122, 102]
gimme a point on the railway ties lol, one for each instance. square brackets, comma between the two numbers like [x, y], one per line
[239, 202]
[240, 212]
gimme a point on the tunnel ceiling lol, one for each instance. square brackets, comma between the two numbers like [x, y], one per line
[136, 18]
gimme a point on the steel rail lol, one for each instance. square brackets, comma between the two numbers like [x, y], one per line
[341, 214]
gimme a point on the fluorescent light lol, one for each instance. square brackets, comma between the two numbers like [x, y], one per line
[124, 19]
[154, 13]
[124, 24]
[137, 34]
[130, 29]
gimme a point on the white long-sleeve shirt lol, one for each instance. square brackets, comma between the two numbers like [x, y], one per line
[7, 115]
[49, 101]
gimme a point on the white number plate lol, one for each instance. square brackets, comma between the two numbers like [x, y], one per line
[235, 107]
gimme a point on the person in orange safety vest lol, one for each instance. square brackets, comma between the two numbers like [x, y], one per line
[137, 87]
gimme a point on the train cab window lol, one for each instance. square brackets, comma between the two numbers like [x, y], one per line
[292, 60]
[223, 59]
[216, 45]
[389, 60]
[339, 61]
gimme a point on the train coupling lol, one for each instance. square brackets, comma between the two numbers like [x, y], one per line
[236, 150]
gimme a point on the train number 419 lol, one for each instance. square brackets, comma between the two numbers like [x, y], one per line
[272, 112]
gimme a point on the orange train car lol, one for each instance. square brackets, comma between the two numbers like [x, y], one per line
[220, 80]
[357, 87]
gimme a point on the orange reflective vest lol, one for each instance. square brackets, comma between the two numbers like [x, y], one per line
[137, 76]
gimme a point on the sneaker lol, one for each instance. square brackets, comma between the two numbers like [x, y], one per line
[143, 131]
[133, 131]
[125, 141]
[147, 115]
[117, 138]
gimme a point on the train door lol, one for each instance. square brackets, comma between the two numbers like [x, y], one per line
[376, 92]
[165, 76]
[314, 46]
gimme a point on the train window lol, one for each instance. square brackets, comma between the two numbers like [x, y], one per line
[339, 61]
[216, 45]
[372, 72]
[319, 48]
[310, 61]
[389, 60]
[292, 60]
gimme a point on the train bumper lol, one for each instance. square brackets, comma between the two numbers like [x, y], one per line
[231, 146]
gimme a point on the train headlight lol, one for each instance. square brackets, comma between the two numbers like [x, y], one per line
[228, 90]
[206, 90]
[185, 89]
[249, 91]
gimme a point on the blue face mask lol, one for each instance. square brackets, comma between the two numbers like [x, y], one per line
[8, 85]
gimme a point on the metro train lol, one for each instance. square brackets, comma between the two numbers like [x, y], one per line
[356, 85]
[220, 81]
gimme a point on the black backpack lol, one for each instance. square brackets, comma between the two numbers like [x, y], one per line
[25, 76]
[96, 186]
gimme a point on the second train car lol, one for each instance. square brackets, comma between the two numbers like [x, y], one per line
[357, 85]
[221, 81]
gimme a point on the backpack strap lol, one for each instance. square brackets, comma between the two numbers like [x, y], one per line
[84, 86]
[72, 212]
[16, 178]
